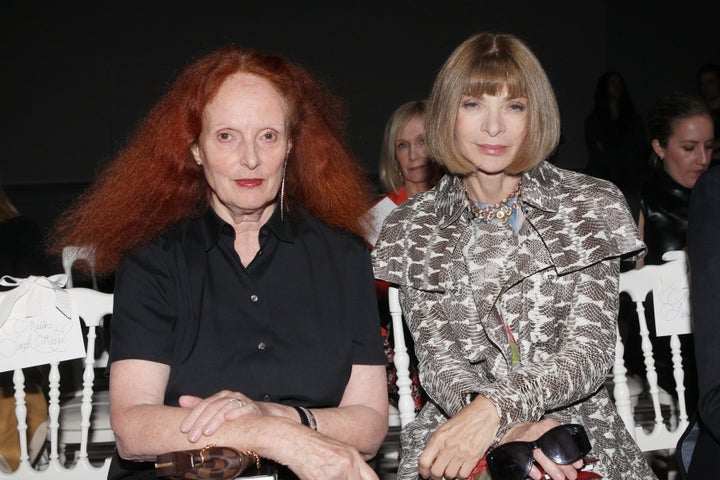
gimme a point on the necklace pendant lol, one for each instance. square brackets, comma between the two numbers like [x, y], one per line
[499, 211]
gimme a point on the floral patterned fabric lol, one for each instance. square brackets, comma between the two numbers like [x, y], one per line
[416, 391]
[554, 284]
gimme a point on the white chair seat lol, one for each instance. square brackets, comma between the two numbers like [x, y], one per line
[71, 416]
[393, 416]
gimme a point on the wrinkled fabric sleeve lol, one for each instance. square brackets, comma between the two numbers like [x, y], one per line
[444, 373]
[584, 357]
[577, 370]
[144, 317]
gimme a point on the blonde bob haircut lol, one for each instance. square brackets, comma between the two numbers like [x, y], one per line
[390, 174]
[488, 63]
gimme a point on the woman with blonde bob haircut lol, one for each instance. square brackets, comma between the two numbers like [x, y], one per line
[508, 273]
[485, 64]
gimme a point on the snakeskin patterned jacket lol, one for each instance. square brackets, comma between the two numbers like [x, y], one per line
[553, 285]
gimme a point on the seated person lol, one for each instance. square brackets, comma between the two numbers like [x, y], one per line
[508, 273]
[245, 311]
[405, 170]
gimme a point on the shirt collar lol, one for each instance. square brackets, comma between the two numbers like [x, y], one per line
[213, 227]
[540, 189]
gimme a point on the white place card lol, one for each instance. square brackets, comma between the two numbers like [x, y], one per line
[671, 298]
[39, 328]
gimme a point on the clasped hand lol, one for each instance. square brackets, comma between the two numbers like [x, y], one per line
[457, 446]
[208, 415]
[527, 432]
[309, 454]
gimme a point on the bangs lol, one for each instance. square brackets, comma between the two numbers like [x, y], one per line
[491, 76]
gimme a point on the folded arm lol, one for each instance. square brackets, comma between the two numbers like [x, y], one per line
[585, 352]
[144, 427]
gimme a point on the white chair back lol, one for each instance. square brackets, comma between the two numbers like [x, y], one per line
[401, 359]
[91, 306]
[71, 254]
[669, 284]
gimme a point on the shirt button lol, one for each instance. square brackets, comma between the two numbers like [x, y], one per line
[260, 252]
[262, 346]
[263, 232]
[266, 397]
[253, 298]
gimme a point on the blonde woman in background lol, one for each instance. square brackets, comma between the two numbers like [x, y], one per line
[406, 169]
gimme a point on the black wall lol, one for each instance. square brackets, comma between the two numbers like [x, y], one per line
[77, 76]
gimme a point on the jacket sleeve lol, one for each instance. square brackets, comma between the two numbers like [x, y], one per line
[704, 256]
[585, 333]
[444, 373]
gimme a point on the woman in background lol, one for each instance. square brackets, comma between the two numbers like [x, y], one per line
[405, 170]
[616, 138]
[405, 167]
[681, 129]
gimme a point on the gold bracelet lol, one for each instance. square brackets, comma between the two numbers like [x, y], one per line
[255, 456]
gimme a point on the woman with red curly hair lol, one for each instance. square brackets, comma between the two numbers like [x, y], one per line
[244, 300]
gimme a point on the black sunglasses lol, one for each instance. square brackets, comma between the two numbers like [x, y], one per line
[563, 445]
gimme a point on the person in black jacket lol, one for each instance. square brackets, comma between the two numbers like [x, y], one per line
[21, 243]
[681, 129]
[704, 256]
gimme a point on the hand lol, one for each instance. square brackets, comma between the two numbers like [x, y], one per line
[320, 456]
[457, 446]
[527, 432]
[207, 415]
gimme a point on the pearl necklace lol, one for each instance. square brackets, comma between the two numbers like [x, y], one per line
[500, 211]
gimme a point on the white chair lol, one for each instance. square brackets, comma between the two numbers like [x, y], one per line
[669, 284]
[93, 307]
[401, 359]
[80, 420]
[389, 453]
[70, 255]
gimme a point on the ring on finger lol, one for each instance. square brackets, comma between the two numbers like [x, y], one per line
[237, 401]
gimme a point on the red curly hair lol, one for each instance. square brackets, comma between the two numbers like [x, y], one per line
[154, 182]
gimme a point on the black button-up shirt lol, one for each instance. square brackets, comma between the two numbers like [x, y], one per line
[287, 328]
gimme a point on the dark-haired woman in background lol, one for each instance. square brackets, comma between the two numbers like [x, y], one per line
[681, 128]
[616, 138]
